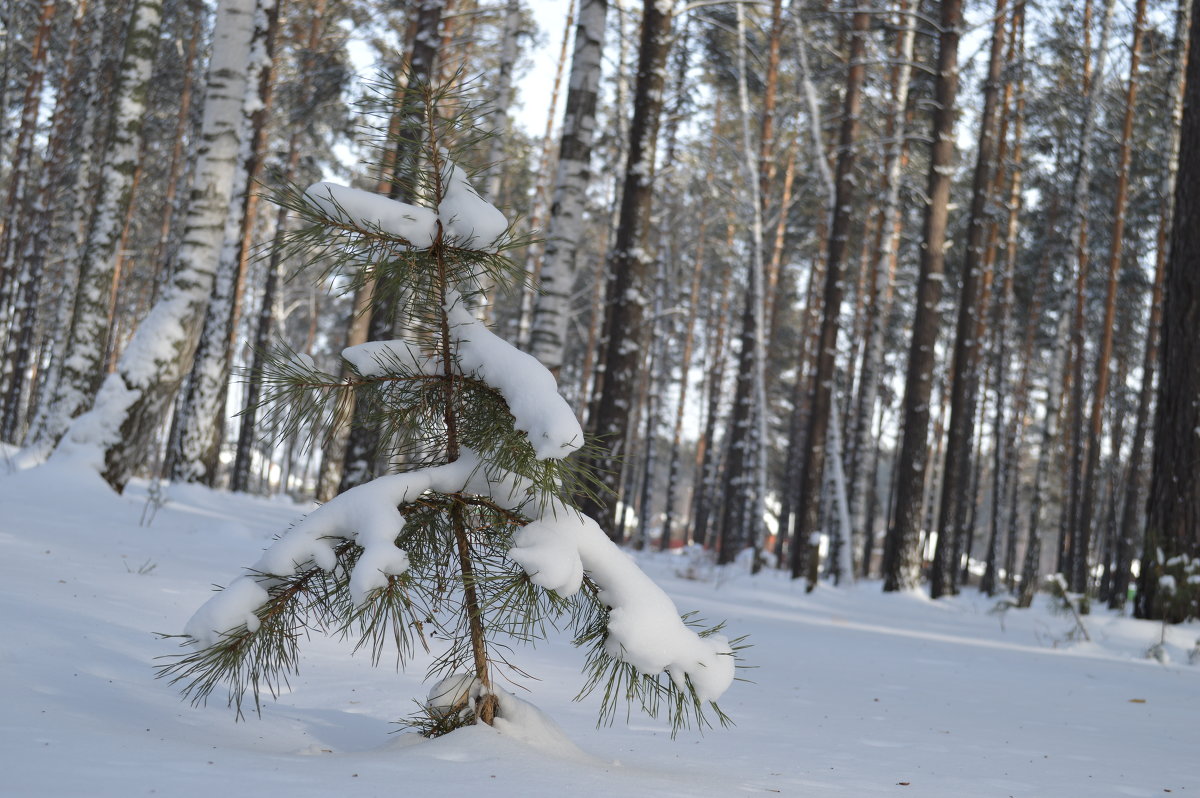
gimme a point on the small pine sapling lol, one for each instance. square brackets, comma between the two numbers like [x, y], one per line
[1067, 603]
[472, 539]
[1178, 599]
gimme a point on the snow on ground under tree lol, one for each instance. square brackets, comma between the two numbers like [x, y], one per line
[854, 693]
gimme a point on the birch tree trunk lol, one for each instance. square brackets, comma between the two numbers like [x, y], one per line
[510, 34]
[547, 164]
[901, 557]
[565, 227]
[115, 435]
[87, 340]
[70, 238]
[35, 242]
[202, 411]
[685, 359]
[239, 479]
[16, 205]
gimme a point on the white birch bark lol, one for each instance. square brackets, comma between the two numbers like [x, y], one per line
[113, 436]
[847, 543]
[565, 228]
[17, 203]
[509, 35]
[18, 277]
[42, 434]
[86, 345]
[202, 412]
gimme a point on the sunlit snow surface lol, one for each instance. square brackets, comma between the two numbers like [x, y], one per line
[853, 693]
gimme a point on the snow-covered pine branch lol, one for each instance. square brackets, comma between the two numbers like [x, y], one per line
[481, 503]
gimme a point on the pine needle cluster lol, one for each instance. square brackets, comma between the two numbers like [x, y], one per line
[461, 599]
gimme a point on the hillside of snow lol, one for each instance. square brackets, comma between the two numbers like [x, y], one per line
[851, 692]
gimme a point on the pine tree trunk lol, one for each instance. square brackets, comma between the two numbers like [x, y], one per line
[821, 400]
[955, 481]
[1173, 509]
[239, 479]
[708, 460]
[801, 387]
[1054, 392]
[115, 436]
[1001, 482]
[901, 560]
[1131, 507]
[1077, 555]
[631, 264]
[742, 491]
[334, 454]
[1083, 531]
[1132, 504]
[880, 293]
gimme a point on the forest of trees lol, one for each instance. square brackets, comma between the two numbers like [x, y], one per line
[905, 289]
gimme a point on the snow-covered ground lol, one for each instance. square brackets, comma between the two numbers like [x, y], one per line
[853, 693]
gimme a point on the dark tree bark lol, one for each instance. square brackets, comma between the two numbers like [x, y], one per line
[901, 560]
[361, 449]
[1173, 509]
[631, 267]
[1126, 542]
[955, 481]
[1076, 553]
[1083, 531]
[812, 470]
[743, 479]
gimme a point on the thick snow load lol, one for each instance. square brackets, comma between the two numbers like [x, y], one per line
[528, 388]
[469, 221]
[366, 209]
[644, 627]
[555, 549]
[366, 514]
[377, 358]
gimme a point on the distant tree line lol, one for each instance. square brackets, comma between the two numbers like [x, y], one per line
[905, 289]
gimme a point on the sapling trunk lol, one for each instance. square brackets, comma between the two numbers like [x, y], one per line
[474, 533]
